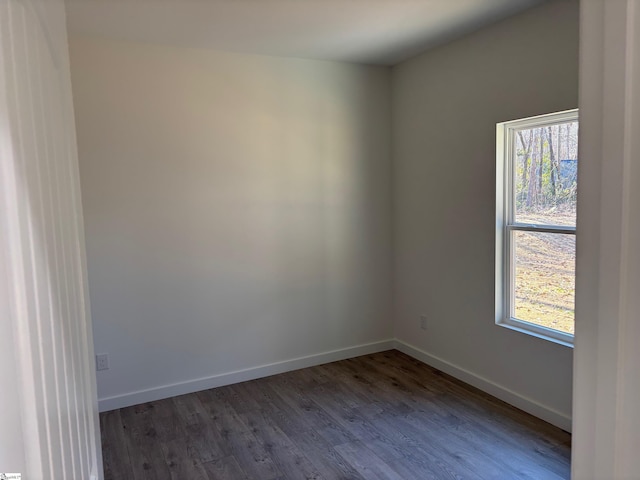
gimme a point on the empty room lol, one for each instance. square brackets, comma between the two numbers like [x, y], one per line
[319, 239]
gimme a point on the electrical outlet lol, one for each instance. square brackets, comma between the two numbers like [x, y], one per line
[423, 322]
[102, 361]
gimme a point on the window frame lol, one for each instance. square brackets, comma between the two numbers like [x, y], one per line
[506, 225]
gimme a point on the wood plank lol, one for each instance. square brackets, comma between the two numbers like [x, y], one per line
[145, 449]
[325, 458]
[226, 468]
[114, 447]
[384, 415]
[285, 454]
[251, 455]
[367, 463]
[199, 431]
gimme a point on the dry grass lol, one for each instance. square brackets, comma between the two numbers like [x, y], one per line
[545, 276]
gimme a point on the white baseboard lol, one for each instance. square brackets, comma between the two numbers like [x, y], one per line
[166, 391]
[196, 385]
[523, 403]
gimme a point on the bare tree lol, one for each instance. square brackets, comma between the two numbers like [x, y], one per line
[525, 159]
[540, 165]
[553, 172]
[532, 193]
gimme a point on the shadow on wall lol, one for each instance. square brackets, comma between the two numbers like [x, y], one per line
[237, 208]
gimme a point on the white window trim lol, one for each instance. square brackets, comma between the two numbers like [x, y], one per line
[505, 226]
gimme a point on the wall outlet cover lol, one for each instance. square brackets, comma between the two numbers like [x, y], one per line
[102, 361]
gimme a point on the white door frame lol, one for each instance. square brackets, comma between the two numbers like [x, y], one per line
[49, 419]
[606, 417]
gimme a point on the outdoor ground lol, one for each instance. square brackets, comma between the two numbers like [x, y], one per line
[545, 275]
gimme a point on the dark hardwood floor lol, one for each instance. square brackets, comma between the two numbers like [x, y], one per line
[382, 416]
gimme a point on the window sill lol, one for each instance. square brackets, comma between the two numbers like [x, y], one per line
[537, 331]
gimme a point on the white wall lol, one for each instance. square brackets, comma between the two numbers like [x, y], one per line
[237, 211]
[446, 104]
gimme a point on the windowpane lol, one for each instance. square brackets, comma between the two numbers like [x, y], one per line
[544, 286]
[545, 170]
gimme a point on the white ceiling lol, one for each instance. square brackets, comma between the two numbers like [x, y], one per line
[381, 32]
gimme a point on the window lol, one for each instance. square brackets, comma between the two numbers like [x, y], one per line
[537, 160]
